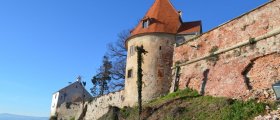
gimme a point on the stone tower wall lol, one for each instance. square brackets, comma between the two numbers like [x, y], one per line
[156, 66]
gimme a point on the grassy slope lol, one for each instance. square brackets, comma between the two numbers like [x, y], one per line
[188, 104]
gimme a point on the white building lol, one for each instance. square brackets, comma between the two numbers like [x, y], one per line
[74, 92]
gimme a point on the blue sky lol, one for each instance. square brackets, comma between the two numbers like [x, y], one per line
[44, 44]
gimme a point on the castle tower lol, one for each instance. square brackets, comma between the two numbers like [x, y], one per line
[158, 31]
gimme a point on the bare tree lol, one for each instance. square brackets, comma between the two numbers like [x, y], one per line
[110, 77]
[118, 49]
[117, 53]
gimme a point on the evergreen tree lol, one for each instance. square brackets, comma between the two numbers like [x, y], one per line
[110, 77]
[102, 79]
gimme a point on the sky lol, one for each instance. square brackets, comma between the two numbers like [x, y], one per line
[44, 44]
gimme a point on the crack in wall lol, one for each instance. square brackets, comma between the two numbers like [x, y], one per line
[248, 68]
[83, 114]
[204, 81]
[244, 73]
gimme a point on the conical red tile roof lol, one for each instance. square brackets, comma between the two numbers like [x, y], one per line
[163, 18]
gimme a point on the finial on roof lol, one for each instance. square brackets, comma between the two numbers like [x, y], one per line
[180, 13]
[79, 79]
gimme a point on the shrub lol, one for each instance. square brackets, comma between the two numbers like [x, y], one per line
[214, 49]
[53, 117]
[68, 105]
[213, 57]
[90, 100]
[243, 110]
[72, 118]
[252, 41]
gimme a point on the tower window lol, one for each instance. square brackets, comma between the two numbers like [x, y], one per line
[131, 50]
[145, 23]
[180, 39]
[159, 47]
[129, 73]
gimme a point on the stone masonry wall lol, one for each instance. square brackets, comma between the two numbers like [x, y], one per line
[243, 72]
[156, 66]
[67, 112]
[93, 109]
[100, 106]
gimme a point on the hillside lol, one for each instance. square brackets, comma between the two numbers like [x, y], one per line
[188, 104]
[6, 116]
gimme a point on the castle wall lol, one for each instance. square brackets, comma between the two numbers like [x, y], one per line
[93, 109]
[234, 67]
[156, 66]
[100, 106]
[68, 111]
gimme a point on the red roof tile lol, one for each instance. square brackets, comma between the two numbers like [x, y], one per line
[190, 27]
[163, 18]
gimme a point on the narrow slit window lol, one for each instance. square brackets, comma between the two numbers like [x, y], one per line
[129, 73]
[131, 50]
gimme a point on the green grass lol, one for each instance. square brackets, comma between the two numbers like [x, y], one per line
[176, 95]
[72, 118]
[188, 105]
[243, 110]
[129, 113]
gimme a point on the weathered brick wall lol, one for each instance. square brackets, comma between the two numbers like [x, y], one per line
[243, 72]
